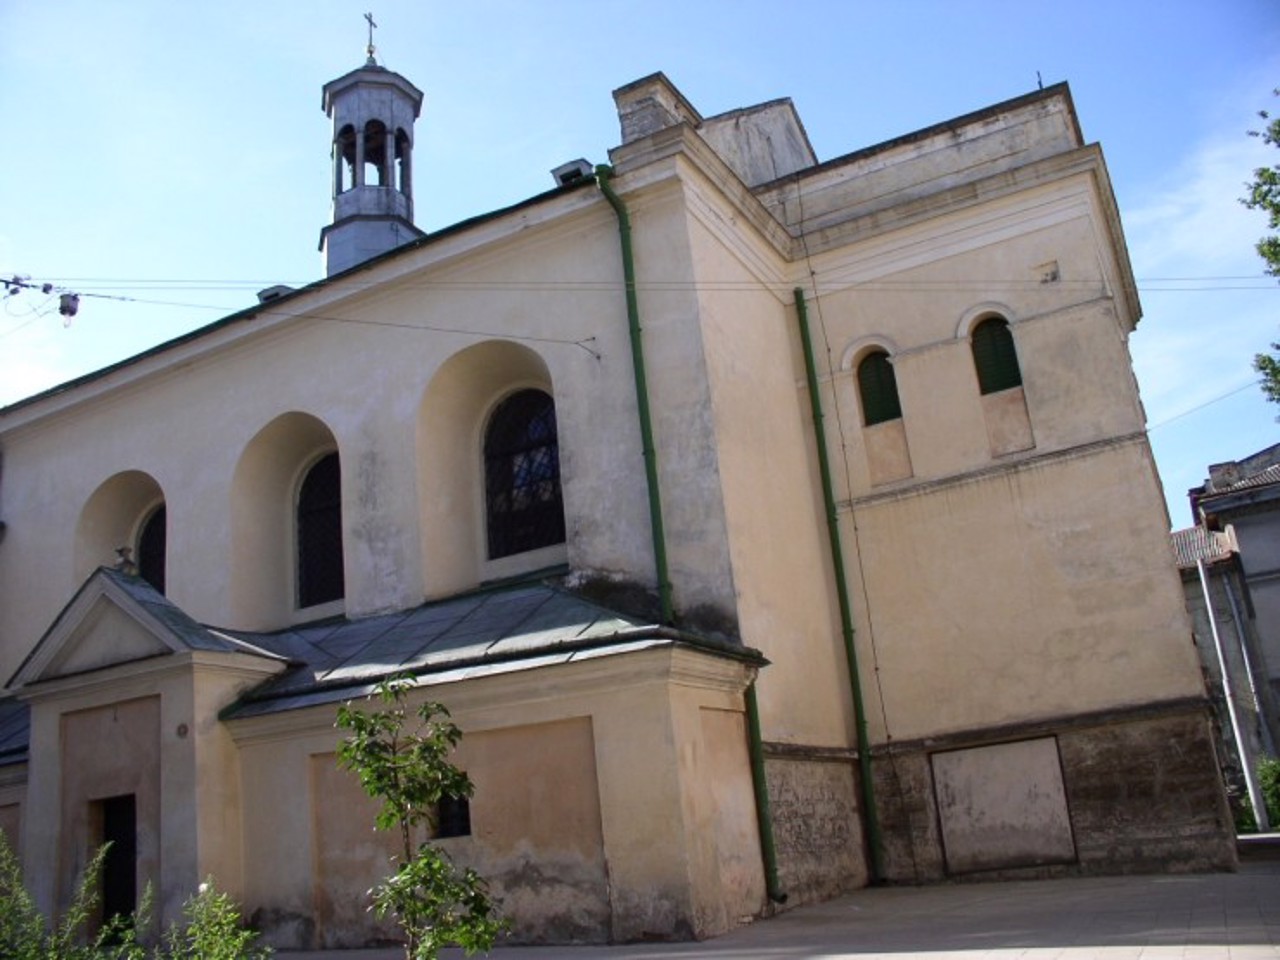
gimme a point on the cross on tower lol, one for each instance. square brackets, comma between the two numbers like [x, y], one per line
[370, 49]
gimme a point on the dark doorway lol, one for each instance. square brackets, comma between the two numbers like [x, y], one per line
[119, 870]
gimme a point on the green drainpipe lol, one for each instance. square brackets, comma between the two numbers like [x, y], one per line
[603, 174]
[764, 822]
[764, 816]
[842, 592]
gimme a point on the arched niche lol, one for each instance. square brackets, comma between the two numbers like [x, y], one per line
[455, 409]
[264, 491]
[112, 518]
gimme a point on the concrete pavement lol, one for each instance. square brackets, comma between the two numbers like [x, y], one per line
[1210, 916]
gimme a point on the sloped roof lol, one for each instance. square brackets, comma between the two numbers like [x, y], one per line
[1261, 479]
[172, 630]
[526, 624]
[513, 626]
[1196, 543]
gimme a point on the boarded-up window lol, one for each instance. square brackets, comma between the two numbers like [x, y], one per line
[878, 389]
[320, 577]
[994, 356]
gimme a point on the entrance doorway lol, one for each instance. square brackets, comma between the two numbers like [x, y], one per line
[118, 820]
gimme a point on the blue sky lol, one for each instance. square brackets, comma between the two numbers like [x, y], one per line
[176, 154]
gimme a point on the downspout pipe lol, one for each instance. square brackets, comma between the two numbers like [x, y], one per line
[1228, 692]
[764, 811]
[604, 173]
[1260, 706]
[755, 746]
[869, 810]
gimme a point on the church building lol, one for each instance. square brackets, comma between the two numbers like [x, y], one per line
[770, 526]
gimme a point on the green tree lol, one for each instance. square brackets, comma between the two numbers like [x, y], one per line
[1264, 195]
[402, 758]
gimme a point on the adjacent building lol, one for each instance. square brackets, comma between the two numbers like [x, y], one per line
[771, 526]
[1230, 565]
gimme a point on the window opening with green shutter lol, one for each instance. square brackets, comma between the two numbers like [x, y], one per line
[878, 389]
[994, 356]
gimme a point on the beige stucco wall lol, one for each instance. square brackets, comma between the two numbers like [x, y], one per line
[197, 443]
[768, 476]
[1041, 592]
[108, 751]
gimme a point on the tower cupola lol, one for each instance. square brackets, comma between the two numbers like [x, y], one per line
[373, 111]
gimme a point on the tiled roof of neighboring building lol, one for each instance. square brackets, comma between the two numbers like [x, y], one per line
[1264, 478]
[1196, 543]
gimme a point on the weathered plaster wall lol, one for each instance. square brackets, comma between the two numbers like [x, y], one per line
[637, 761]
[1087, 615]
[540, 844]
[109, 751]
[350, 859]
[817, 826]
[784, 593]
[920, 165]
[688, 455]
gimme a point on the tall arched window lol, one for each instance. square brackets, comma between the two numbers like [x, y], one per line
[994, 356]
[151, 549]
[878, 389]
[524, 506]
[319, 532]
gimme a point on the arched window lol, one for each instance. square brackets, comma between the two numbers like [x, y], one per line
[878, 389]
[319, 532]
[151, 549]
[377, 162]
[994, 356]
[522, 475]
[344, 160]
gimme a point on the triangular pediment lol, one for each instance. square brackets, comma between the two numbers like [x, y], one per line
[107, 635]
[113, 619]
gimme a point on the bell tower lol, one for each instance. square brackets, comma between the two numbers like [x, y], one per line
[373, 111]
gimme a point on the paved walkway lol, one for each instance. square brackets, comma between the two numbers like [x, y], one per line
[1210, 916]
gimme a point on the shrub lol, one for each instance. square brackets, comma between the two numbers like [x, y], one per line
[212, 930]
[1269, 786]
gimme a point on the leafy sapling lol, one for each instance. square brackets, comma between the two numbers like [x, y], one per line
[402, 758]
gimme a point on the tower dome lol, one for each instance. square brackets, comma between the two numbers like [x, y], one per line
[373, 111]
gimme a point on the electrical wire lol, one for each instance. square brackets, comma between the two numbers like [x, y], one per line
[1200, 406]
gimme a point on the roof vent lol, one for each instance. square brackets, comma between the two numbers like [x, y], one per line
[268, 294]
[571, 172]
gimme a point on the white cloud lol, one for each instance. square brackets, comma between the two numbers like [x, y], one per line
[1209, 307]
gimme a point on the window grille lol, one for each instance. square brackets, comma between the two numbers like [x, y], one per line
[878, 389]
[994, 356]
[151, 549]
[524, 506]
[453, 817]
[319, 531]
